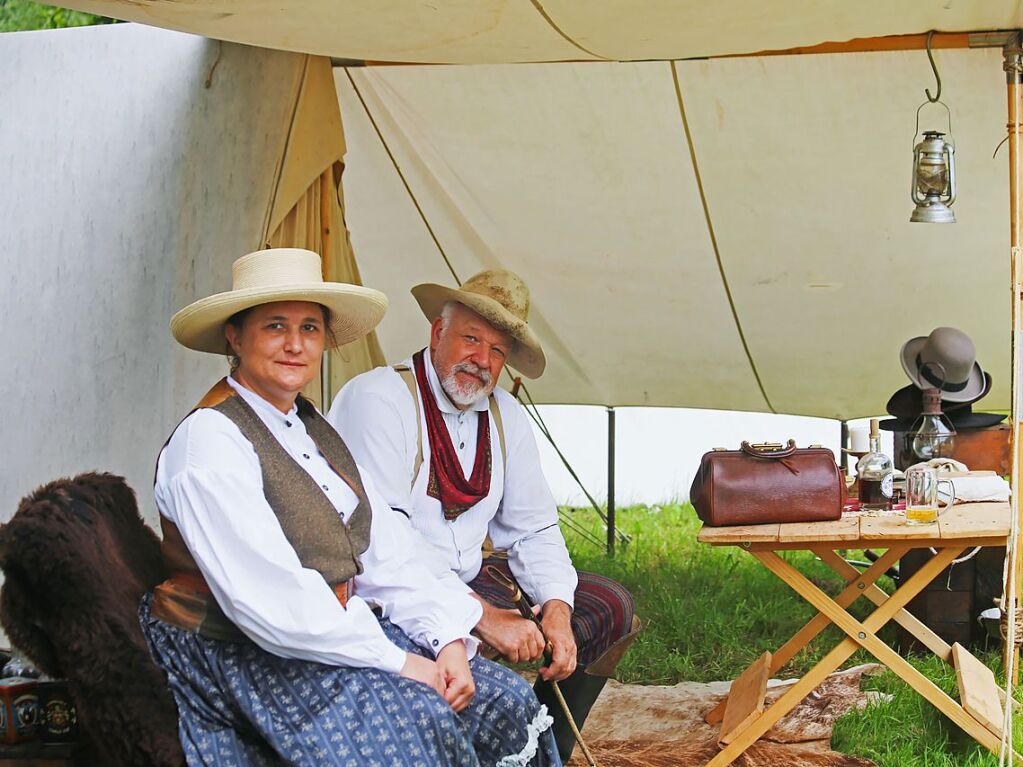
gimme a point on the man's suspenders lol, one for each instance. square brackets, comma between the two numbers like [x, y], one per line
[409, 377]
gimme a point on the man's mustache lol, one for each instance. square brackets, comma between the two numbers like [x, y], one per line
[468, 367]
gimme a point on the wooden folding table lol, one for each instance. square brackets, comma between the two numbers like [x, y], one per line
[743, 716]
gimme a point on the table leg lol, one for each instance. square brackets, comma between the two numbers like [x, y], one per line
[788, 701]
[819, 622]
[842, 652]
[864, 633]
[903, 617]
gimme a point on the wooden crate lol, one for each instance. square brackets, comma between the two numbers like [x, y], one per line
[980, 449]
[951, 602]
[950, 605]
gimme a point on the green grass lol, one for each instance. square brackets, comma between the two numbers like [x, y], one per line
[711, 611]
[23, 15]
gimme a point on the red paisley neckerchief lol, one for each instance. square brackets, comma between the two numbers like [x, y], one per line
[447, 483]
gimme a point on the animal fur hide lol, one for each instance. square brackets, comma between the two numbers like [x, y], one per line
[77, 559]
[654, 726]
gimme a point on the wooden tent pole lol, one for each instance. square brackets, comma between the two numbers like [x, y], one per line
[327, 267]
[1013, 66]
[326, 235]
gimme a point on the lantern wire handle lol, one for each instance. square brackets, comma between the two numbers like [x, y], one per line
[947, 111]
[934, 68]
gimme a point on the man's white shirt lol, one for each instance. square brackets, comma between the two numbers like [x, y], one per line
[210, 485]
[377, 417]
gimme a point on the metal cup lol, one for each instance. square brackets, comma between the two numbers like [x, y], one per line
[923, 507]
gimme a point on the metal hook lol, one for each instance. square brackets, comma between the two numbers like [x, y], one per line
[934, 67]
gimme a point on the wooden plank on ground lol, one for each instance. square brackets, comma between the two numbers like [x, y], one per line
[845, 529]
[746, 698]
[736, 535]
[975, 520]
[978, 690]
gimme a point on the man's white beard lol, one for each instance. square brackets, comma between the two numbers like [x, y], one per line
[467, 394]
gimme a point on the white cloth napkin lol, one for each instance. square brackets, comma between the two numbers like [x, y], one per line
[981, 486]
[989, 488]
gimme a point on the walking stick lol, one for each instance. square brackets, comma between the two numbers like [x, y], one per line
[526, 611]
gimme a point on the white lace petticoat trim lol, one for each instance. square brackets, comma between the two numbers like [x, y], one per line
[540, 724]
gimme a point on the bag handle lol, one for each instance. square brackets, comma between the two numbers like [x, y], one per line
[769, 450]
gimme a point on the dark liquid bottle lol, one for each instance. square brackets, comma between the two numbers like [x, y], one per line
[875, 473]
[871, 494]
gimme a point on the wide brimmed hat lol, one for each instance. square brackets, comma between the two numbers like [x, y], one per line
[278, 274]
[908, 402]
[502, 299]
[947, 360]
[961, 419]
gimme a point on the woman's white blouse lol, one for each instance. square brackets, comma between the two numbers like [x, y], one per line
[210, 485]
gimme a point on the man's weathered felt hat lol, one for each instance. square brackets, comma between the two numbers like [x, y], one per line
[501, 298]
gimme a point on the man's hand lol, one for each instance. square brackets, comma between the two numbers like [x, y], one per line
[517, 639]
[423, 670]
[557, 625]
[453, 664]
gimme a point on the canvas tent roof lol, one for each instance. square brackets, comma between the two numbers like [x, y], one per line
[727, 233]
[501, 31]
[580, 177]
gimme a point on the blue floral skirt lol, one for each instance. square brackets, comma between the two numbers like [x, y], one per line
[240, 705]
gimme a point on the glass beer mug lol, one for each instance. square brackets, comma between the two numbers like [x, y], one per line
[922, 503]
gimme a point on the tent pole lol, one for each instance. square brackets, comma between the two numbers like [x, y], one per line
[843, 457]
[327, 267]
[1013, 66]
[611, 481]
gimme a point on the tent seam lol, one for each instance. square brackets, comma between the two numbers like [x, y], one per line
[279, 174]
[713, 236]
[440, 249]
[542, 11]
[401, 175]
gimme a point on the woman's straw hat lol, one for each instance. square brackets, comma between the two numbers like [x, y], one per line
[502, 299]
[278, 274]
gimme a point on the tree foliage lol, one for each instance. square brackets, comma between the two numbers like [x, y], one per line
[19, 15]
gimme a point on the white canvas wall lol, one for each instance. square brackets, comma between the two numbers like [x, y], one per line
[128, 188]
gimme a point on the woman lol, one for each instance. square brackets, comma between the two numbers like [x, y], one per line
[296, 626]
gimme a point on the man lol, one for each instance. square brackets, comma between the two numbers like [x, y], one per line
[456, 455]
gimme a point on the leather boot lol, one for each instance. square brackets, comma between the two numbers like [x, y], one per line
[580, 691]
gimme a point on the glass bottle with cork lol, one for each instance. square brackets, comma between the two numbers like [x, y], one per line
[876, 474]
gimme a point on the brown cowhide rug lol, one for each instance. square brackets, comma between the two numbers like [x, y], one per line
[651, 726]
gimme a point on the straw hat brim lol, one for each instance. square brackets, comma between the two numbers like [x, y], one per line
[355, 312]
[975, 383]
[526, 356]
